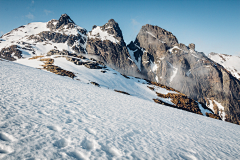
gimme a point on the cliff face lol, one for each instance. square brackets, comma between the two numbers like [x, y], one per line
[108, 44]
[162, 59]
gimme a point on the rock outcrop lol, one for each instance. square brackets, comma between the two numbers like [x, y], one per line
[11, 53]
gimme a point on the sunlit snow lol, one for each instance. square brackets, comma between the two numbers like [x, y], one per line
[231, 63]
[46, 116]
[102, 35]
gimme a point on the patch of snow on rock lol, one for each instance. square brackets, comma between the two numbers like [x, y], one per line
[102, 35]
[137, 62]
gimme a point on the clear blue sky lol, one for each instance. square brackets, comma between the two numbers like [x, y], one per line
[213, 25]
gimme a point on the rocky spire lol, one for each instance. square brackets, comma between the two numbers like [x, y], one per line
[63, 20]
[191, 46]
[113, 28]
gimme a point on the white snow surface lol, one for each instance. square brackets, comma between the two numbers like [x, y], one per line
[175, 69]
[102, 35]
[137, 62]
[174, 47]
[154, 66]
[46, 116]
[204, 111]
[231, 63]
[221, 111]
[111, 79]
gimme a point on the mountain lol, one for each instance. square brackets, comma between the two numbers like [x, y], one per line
[64, 48]
[161, 58]
[46, 116]
[231, 63]
[38, 38]
[108, 44]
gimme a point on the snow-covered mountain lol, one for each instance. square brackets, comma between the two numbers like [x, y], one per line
[46, 116]
[231, 63]
[62, 47]
[38, 38]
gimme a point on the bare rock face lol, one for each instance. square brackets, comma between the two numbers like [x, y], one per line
[155, 38]
[162, 59]
[108, 44]
[191, 46]
[64, 20]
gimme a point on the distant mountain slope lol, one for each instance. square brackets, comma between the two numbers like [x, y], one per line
[231, 63]
[45, 116]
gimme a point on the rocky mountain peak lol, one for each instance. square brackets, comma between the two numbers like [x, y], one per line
[113, 28]
[112, 21]
[155, 36]
[109, 31]
[64, 20]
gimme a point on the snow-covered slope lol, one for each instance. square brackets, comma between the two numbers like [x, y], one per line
[108, 78]
[46, 116]
[231, 63]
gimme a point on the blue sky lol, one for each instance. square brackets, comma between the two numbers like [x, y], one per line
[213, 25]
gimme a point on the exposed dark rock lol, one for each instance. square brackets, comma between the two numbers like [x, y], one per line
[64, 20]
[11, 53]
[57, 52]
[55, 69]
[61, 38]
[92, 65]
[121, 92]
[191, 46]
[95, 84]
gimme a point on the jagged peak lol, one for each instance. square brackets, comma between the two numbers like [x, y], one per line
[64, 19]
[112, 29]
[112, 21]
[157, 34]
[156, 28]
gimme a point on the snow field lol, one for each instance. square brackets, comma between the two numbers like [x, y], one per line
[231, 63]
[46, 116]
